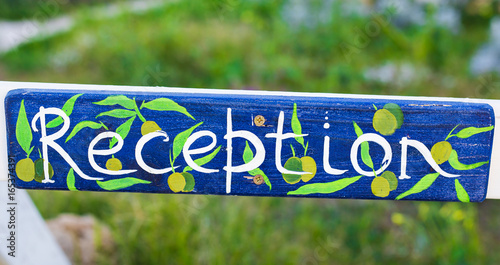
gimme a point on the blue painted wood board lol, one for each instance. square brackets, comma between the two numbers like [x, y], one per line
[447, 145]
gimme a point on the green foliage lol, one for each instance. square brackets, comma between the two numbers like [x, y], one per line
[459, 166]
[122, 130]
[67, 108]
[325, 188]
[203, 160]
[117, 100]
[468, 132]
[181, 53]
[82, 125]
[461, 192]
[365, 147]
[424, 183]
[24, 135]
[70, 180]
[259, 171]
[247, 153]
[165, 104]
[296, 127]
[417, 232]
[181, 139]
[118, 113]
[247, 157]
[118, 184]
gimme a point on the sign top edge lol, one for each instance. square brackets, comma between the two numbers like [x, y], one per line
[6, 86]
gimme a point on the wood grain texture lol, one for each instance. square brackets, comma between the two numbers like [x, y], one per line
[465, 127]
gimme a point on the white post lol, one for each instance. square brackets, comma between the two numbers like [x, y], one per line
[33, 243]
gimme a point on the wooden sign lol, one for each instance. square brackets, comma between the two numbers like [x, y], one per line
[249, 143]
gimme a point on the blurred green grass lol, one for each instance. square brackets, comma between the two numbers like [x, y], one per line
[248, 45]
[180, 229]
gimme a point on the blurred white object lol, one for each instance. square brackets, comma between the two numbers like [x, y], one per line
[15, 33]
[406, 12]
[495, 31]
[412, 12]
[304, 13]
[391, 73]
[487, 58]
[449, 18]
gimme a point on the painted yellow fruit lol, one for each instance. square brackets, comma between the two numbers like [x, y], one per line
[308, 165]
[114, 164]
[39, 170]
[441, 152]
[25, 170]
[380, 187]
[292, 164]
[384, 122]
[176, 182]
[391, 177]
[149, 126]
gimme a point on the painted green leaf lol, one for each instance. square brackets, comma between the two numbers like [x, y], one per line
[470, 131]
[84, 124]
[70, 180]
[453, 160]
[165, 104]
[122, 130]
[181, 139]
[117, 100]
[255, 171]
[258, 171]
[247, 153]
[296, 127]
[325, 188]
[305, 149]
[203, 160]
[23, 130]
[117, 184]
[365, 147]
[67, 108]
[450, 134]
[118, 113]
[247, 157]
[420, 186]
[461, 192]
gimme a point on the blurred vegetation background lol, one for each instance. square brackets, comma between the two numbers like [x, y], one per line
[406, 47]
